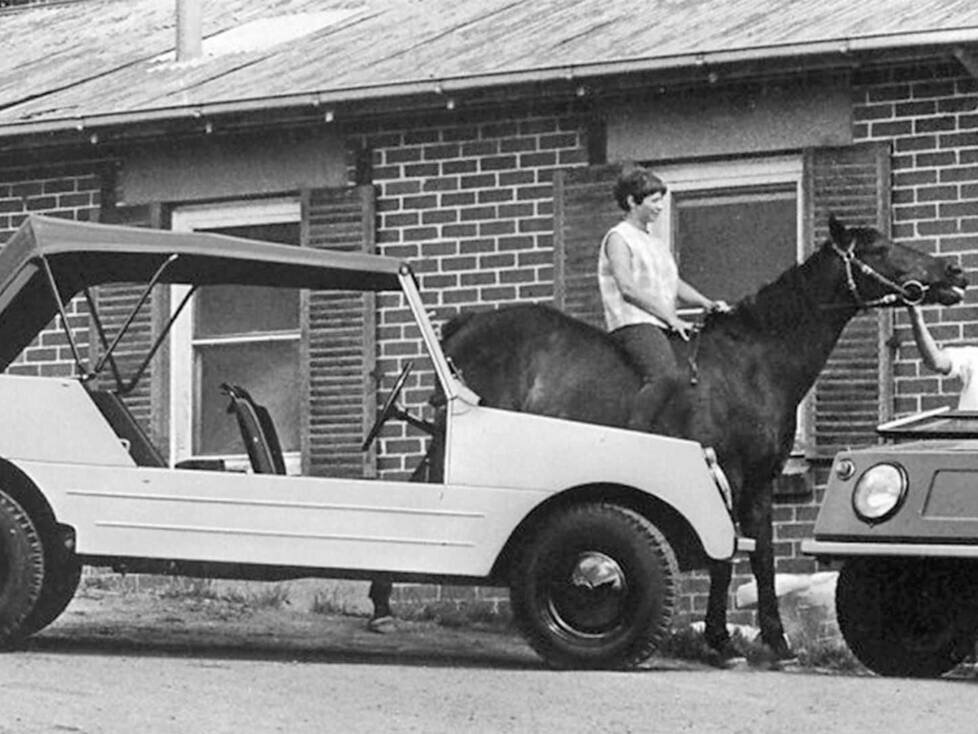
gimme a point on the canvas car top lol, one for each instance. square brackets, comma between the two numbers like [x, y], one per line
[81, 254]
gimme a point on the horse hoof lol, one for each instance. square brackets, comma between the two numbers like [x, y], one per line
[726, 655]
[781, 655]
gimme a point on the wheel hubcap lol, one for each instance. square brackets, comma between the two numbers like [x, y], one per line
[589, 599]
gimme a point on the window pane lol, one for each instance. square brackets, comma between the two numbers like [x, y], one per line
[729, 243]
[226, 310]
[268, 370]
[223, 310]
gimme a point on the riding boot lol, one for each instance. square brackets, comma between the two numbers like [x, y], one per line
[649, 403]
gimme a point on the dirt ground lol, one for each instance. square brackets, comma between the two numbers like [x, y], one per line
[222, 659]
[247, 619]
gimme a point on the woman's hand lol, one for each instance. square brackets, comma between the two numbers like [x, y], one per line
[683, 329]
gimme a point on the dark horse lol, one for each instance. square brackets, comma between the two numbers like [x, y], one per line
[755, 365]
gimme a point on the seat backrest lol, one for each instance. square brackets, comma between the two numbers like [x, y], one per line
[141, 449]
[257, 431]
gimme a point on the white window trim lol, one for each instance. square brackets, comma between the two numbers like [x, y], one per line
[207, 216]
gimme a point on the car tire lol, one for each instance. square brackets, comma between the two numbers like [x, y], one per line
[21, 568]
[906, 617]
[62, 574]
[595, 587]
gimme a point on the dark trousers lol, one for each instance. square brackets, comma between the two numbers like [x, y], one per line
[648, 348]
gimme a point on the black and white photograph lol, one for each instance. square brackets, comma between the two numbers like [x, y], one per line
[488, 366]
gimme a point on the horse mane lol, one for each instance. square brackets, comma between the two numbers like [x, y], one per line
[775, 309]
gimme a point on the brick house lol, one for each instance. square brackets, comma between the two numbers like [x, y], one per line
[479, 143]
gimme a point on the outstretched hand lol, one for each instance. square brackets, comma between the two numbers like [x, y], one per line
[719, 307]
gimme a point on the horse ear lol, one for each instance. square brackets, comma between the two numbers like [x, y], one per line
[838, 232]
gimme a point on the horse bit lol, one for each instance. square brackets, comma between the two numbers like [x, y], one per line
[910, 293]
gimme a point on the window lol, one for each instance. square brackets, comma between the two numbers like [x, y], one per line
[247, 336]
[734, 226]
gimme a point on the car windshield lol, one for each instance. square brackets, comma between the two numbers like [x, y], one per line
[939, 423]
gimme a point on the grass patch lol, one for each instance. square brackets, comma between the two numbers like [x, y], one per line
[258, 595]
[689, 643]
[462, 615]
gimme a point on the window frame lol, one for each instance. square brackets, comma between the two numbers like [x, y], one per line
[284, 210]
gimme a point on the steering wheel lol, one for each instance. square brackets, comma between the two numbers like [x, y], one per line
[390, 408]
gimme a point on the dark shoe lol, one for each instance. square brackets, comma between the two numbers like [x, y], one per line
[382, 625]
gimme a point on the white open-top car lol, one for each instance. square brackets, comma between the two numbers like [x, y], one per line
[588, 526]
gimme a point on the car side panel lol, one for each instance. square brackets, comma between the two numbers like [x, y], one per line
[281, 520]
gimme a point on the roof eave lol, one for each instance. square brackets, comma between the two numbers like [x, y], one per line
[845, 51]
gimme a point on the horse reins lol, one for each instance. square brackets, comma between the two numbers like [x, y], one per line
[911, 293]
[694, 370]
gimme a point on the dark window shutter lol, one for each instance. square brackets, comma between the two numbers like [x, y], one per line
[852, 392]
[585, 209]
[115, 302]
[338, 341]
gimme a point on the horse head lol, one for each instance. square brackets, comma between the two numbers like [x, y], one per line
[879, 272]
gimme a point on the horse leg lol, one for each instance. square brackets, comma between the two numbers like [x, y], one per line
[759, 526]
[715, 629]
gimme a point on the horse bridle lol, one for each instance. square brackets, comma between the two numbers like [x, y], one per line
[910, 293]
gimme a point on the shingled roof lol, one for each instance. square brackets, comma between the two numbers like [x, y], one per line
[86, 63]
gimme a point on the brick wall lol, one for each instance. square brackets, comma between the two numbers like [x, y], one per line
[930, 114]
[470, 203]
[73, 192]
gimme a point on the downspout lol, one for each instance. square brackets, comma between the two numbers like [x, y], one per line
[189, 30]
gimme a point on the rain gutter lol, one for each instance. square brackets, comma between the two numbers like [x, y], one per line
[843, 48]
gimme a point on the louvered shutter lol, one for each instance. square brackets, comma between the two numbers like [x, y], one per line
[338, 341]
[115, 302]
[585, 210]
[852, 392]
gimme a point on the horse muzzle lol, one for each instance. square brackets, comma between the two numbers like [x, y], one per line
[946, 294]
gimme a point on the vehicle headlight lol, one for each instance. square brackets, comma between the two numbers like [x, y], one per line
[879, 492]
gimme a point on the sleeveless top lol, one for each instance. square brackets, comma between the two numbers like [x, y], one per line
[653, 269]
[964, 366]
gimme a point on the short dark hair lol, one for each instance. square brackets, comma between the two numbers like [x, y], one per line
[637, 182]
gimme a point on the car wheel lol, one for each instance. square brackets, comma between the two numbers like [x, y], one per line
[595, 587]
[62, 574]
[905, 617]
[21, 568]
